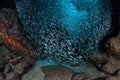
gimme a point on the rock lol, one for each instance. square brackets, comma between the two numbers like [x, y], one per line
[57, 73]
[106, 64]
[99, 60]
[22, 67]
[111, 66]
[2, 76]
[113, 46]
[100, 78]
[13, 76]
[2, 65]
[112, 78]
[115, 76]
[8, 68]
[34, 74]
[118, 72]
[1, 42]
[15, 60]
[80, 76]
[5, 54]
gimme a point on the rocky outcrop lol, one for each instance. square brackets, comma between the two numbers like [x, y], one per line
[34, 74]
[113, 46]
[12, 66]
[57, 73]
[80, 76]
[107, 64]
[116, 76]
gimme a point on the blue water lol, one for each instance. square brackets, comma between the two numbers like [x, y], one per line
[71, 16]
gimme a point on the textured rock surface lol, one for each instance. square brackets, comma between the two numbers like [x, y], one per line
[9, 33]
[57, 73]
[80, 76]
[115, 76]
[7, 69]
[2, 65]
[22, 67]
[34, 74]
[13, 76]
[4, 52]
[107, 64]
[2, 76]
[113, 46]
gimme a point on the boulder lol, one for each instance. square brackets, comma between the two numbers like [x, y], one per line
[57, 73]
[80, 76]
[34, 74]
